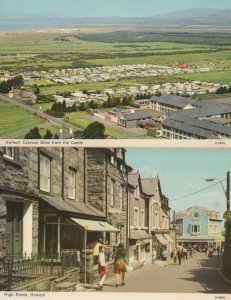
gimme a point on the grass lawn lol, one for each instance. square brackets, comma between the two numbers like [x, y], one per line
[114, 133]
[44, 106]
[14, 119]
[222, 77]
[53, 130]
[78, 119]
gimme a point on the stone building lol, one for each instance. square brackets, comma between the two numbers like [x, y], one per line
[139, 238]
[47, 199]
[106, 188]
[23, 96]
[159, 215]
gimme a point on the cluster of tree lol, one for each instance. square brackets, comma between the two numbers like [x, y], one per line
[111, 102]
[94, 130]
[36, 89]
[85, 106]
[58, 110]
[45, 98]
[35, 134]
[15, 82]
[223, 90]
[143, 96]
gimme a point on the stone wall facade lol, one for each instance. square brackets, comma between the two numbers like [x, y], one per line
[96, 178]
[107, 167]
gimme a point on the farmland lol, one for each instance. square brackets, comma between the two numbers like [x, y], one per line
[13, 119]
[57, 50]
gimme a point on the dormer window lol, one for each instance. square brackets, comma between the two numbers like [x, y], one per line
[195, 215]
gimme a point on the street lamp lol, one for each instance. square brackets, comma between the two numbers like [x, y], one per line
[227, 192]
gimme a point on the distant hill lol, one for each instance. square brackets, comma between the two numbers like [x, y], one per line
[187, 17]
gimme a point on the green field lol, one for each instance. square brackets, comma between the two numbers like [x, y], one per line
[222, 77]
[102, 46]
[87, 47]
[13, 119]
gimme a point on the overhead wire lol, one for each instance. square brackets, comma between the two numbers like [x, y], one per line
[188, 195]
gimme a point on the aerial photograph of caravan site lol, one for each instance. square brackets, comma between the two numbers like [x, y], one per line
[115, 69]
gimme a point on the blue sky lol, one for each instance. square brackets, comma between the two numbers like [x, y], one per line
[183, 172]
[108, 7]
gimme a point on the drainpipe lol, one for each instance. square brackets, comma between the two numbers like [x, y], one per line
[58, 246]
[63, 173]
[85, 256]
[128, 216]
[84, 175]
[106, 181]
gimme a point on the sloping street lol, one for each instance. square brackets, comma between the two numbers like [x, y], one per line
[199, 274]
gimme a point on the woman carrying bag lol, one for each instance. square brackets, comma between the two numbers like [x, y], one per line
[120, 262]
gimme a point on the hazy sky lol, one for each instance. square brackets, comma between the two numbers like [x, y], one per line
[183, 172]
[128, 8]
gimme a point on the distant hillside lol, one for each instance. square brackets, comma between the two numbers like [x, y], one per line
[188, 17]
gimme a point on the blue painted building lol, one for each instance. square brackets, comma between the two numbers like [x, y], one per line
[198, 226]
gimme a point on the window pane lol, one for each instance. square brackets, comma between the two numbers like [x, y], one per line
[72, 185]
[9, 152]
[44, 173]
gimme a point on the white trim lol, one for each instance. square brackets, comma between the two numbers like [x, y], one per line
[27, 229]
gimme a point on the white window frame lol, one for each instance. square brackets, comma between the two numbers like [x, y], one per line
[9, 152]
[198, 231]
[44, 173]
[136, 217]
[72, 184]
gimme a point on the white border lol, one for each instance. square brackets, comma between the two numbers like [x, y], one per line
[114, 143]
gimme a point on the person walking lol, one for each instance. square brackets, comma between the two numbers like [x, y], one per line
[120, 262]
[154, 254]
[164, 256]
[102, 267]
[179, 255]
[185, 253]
[174, 256]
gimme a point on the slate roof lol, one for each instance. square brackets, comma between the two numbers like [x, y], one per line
[75, 208]
[189, 128]
[205, 210]
[189, 120]
[208, 110]
[149, 185]
[173, 100]
[137, 116]
[133, 179]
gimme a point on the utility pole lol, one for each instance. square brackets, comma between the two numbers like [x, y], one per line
[228, 191]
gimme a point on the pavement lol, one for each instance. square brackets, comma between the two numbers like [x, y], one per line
[199, 274]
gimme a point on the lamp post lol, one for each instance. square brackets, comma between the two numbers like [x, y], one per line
[227, 192]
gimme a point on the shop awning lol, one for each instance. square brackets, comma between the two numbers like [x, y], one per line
[168, 238]
[161, 239]
[92, 225]
[139, 235]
